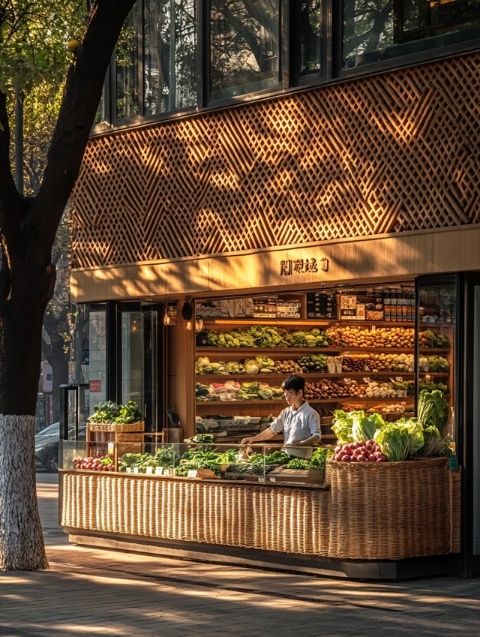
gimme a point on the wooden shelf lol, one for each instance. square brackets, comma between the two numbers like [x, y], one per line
[273, 352]
[218, 378]
[277, 401]
[311, 322]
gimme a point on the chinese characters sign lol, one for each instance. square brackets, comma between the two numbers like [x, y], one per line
[302, 266]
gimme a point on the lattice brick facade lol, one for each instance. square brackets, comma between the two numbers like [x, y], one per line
[385, 154]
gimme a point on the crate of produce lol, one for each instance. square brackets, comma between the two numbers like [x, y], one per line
[284, 474]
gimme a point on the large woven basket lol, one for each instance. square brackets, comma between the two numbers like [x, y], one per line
[391, 510]
[112, 426]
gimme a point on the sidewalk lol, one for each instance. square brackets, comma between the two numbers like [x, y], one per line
[99, 592]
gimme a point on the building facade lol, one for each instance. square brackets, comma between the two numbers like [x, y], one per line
[276, 146]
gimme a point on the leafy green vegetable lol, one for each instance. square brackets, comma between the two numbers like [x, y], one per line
[365, 425]
[435, 444]
[433, 410]
[298, 463]
[395, 442]
[401, 439]
[342, 426]
[111, 412]
[319, 457]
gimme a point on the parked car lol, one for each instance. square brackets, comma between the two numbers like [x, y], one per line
[46, 446]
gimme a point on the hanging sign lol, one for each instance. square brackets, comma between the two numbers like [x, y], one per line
[95, 386]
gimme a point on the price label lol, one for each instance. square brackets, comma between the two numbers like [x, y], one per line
[192, 473]
[149, 471]
[167, 472]
[159, 471]
[135, 470]
[111, 448]
[129, 470]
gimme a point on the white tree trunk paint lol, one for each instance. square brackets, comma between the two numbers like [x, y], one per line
[21, 538]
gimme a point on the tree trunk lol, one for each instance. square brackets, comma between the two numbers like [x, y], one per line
[21, 316]
[21, 539]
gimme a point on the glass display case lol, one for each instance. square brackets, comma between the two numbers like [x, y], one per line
[200, 459]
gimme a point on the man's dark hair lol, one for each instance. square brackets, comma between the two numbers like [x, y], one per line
[294, 382]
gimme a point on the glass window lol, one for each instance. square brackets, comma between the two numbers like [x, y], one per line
[90, 351]
[244, 41]
[170, 41]
[384, 29]
[132, 358]
[126, 70]
[311, 26]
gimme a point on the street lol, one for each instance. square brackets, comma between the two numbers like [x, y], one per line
[99, 592]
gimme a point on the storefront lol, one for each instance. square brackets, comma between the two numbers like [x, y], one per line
[217, 362]
[307, 200]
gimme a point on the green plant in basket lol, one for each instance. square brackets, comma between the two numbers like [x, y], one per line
[111, 412]
[105, 412]
[128, 413]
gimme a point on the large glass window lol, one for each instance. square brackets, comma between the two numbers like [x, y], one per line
[126, 70]
[244, 42]
[170, 42]
[311, 29]
[378, 30]
[90, 352]
[132, 357]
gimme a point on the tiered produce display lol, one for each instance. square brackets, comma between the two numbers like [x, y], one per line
[369, 366]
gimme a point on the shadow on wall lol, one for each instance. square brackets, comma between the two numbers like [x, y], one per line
[377, 155]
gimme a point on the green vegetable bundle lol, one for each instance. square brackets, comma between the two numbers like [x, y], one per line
[433, 410]
[365, 425]
[400, 440]
[111, 412]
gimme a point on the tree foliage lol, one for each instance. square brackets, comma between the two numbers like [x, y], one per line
[33, 36]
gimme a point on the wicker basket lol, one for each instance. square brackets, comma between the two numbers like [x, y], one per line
[117, 427]
[250, 516]
[391, 510]
[455, 478]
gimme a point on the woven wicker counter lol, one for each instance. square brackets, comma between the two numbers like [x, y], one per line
[396, 511]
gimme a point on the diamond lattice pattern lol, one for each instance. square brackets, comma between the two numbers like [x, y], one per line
[392, 153]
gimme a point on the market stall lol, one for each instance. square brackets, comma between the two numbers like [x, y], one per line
[390, 492]
[378, 497]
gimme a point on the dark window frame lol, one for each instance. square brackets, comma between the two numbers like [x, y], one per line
[283, 61]
[289, 67]
[396, 61]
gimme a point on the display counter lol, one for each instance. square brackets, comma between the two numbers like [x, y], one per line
[369, 512]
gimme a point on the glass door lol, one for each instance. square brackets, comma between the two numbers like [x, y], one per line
[140, 347]
[471, 442]
[448, 354]
[436, 341]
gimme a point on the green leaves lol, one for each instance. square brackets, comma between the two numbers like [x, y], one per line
[33, 37]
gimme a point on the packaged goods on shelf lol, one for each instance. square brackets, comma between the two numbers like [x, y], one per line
[321, 305]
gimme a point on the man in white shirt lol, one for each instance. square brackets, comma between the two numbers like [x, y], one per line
[299, 423]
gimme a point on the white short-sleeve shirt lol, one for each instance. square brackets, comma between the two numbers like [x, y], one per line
[297, 425]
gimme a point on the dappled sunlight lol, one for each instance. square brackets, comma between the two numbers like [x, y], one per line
[346, 161]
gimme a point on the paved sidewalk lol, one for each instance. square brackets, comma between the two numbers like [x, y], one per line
[98, 592]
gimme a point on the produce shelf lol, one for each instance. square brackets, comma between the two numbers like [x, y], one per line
[277, 401]
[273, 352]
[218, 378]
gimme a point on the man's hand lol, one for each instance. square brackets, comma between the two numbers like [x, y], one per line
[246, 441]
